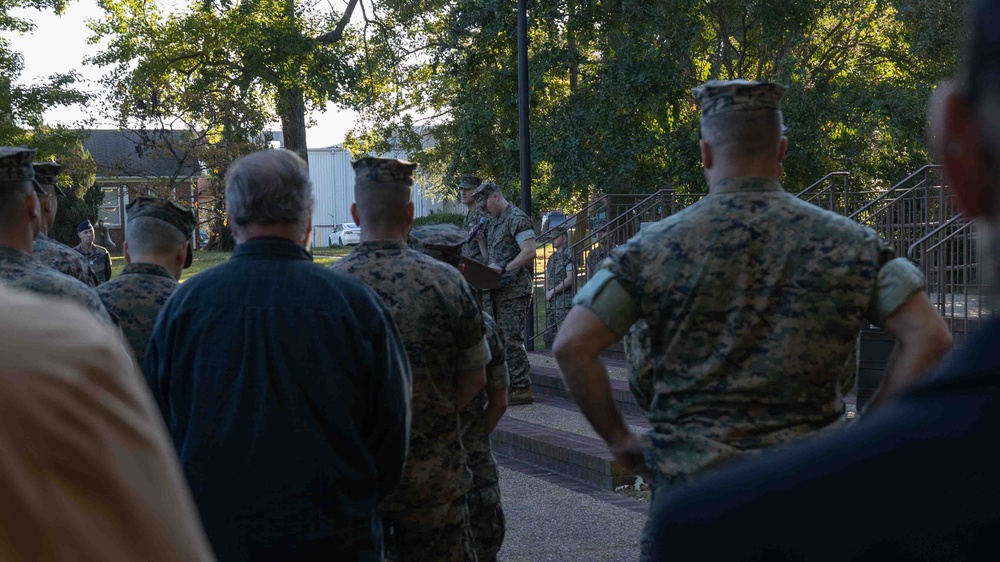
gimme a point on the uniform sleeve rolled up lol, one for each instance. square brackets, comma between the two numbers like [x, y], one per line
[607, 298]
[898, 280]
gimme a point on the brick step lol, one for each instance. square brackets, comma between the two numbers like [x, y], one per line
[546, 381]
[553, 434]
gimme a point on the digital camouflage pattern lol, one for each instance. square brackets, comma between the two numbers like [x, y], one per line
[503, 247]
[63, 259]
[640, 378]
[372, 170]
[433, 533]
[19, 270]
[720, 96]
[485, 511]
[471, 248]
[442, 328]
[555, 273]
[510, 314]
[98, 259]
[136, 297]
[752, 300]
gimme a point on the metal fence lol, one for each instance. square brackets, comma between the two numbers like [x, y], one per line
[949, 259]
[918, 216]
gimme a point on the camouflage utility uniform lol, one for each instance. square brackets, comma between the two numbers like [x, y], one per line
[509, 302]
[559, 267]
[485, 509]
[64, 259]
[752, 301]
[20, 270]
[99, 260]
[442, 327]
[471, 248]
[136, 297]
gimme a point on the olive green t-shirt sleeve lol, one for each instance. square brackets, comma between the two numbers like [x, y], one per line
[897, 281]
[605, 296]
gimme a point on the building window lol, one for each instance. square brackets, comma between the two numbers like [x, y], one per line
[110, 210]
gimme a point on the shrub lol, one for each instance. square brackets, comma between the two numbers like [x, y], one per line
[440, 218]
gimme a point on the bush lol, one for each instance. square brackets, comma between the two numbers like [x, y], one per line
[440, 218]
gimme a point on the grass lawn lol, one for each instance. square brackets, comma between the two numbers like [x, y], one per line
[204, 259]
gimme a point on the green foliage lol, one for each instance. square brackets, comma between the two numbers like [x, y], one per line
[440, 218]
[610, 81]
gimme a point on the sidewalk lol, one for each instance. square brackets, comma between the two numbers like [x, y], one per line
[552, 518]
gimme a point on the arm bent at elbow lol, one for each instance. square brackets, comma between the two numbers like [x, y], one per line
[923, 340]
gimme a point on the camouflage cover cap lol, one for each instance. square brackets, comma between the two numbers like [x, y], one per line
[484, 191]
[720, 96]
[176, 215]
[15, 165]
[384, 170]
[440, 241]
[470, 182]
[46, 174]
[85, 225]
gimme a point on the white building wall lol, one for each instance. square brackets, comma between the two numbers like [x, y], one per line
[333, 190]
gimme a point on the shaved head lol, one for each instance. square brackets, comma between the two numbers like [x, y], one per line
[382, 204]
[744, 135]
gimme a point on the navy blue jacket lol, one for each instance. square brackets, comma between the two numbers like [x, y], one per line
[918, 479]
[286, 390]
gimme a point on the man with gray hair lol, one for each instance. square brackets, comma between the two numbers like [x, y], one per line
[922, 467]
[157, 249]
[56, 255]
[284, 385]
[20, 217]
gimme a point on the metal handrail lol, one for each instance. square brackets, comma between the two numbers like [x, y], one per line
[821, 181]
[931, 234]
[922, 170]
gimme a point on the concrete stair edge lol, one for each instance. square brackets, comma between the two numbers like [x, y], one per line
[576, 456]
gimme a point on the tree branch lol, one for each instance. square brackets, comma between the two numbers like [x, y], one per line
[331, 37]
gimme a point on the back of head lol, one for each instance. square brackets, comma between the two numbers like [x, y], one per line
[17, 181]
[442, 242]
[383, 189]
[147, 236]
[269, 187]
[741, 120]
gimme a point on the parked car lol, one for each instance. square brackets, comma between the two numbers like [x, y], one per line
[345, 234]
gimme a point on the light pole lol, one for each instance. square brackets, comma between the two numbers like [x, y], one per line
[525, 137]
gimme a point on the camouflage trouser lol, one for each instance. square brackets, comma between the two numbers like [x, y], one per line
[510, 315]
[431, 533]
[488, 523]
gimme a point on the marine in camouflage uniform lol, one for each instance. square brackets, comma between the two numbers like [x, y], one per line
[446, 243]
[97, 256]
[508, 228]
[140, 290]
[442, 329]
[63, 259]
[470, 248]
[560, 278]
[18, 268]
[752, 301]
[54, 254]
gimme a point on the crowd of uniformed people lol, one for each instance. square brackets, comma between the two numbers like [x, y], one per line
[272, 409]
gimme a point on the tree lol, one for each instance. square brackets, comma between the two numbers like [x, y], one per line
[610, 87]
[235, 65]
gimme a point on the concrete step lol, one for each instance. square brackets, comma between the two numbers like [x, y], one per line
[546, 381]
[553, 434]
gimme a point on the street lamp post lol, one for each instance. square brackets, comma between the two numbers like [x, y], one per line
[525, 138]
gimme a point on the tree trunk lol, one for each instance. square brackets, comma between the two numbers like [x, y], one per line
[292, 109]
